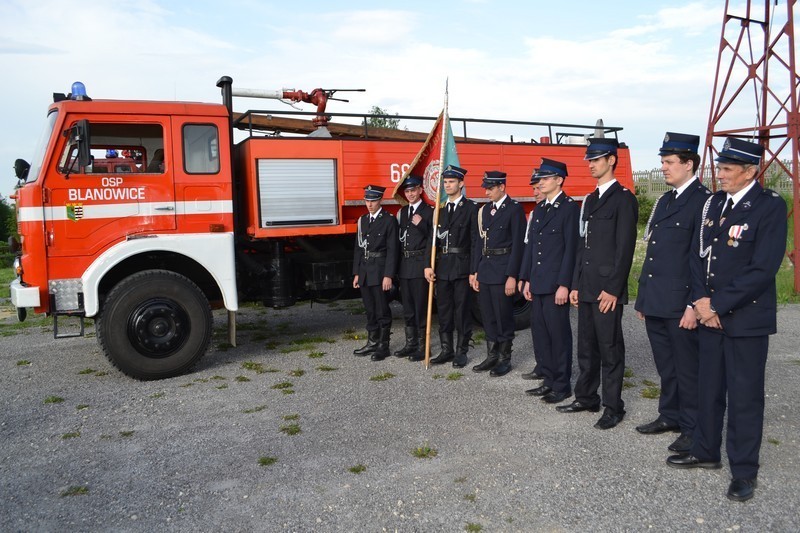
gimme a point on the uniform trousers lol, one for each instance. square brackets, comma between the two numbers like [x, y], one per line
[454, 304]
[552, 341]
[675, 354]
[497, 311]
[414, 293]
[376, 302]
[732, 366]
[601, 352]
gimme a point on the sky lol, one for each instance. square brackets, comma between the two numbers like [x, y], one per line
[648, 67]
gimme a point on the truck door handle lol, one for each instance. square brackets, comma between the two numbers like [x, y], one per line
[167, 208]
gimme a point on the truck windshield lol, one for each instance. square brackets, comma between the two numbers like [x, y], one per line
[41, 146]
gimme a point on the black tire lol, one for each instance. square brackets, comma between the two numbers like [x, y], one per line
[154, 324]
[522, 312]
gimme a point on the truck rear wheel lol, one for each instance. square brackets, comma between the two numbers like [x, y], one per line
[155, 324]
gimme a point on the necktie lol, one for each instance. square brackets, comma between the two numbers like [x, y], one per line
[672, 196]
[371, 218]
[727, 210]
[410, 211]
[547, 206]
[450, 208]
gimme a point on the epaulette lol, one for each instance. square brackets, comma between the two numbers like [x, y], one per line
[772, 193]
[514, 201]
[569, 199]
[708, 191]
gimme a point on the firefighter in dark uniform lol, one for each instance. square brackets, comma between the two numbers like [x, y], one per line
[374, 264]
[664, 297]
[498, 255]
[455, 236]
[550, 245]
[415, 228]
[538, 197]
[740, 243]
[600, 286]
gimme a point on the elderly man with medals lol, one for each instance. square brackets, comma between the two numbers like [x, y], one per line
[374, 264]
[741, 243]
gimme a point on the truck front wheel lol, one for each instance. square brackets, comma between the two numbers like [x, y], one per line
[154, 324]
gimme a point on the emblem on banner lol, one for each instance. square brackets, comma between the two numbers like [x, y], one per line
[74, 211]
[430, 180]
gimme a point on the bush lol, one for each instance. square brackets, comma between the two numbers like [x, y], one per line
[645, 206]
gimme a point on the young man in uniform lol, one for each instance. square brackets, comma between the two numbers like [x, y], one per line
[498, 253]
[374, 263]
[600, 286]
[455, 236]
[550, 245]
[538, 197]
[664, 297]
[415, 227]
[740, 243]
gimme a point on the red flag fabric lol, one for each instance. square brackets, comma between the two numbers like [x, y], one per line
[426, 165]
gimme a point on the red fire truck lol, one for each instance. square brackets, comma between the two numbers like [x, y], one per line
[146, 215]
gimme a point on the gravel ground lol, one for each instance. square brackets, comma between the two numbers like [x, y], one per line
[183, 454]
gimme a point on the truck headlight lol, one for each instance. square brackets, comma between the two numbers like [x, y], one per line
[17, 267]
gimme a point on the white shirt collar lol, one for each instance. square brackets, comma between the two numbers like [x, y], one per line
[499, 202]
[601, 189]
[739, 195]
[378, 212]
[685, 186]
[416, 205]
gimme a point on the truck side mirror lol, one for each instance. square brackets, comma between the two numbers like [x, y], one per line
[21, 168]
[80, 136]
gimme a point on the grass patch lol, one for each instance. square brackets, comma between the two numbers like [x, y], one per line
[316, 355]
[267, 461]
[296, 373]
[75, 490]
[357, 469]
[471, 497]
[424, 452]
[651, 392]
[222, 387]
[258, 368]
[773, 441]
[291, 417]
[72, 435]
[437, 376]
[100, 374]
[628, 372]
[271, 345]
[186, 385]
[291, 429]
[82, 407]
[305, 341]
[283, 385]
[157, 395]
[627, 384]
[201, 380]
[461, 479]
[326, 368]
[241, 379]
[382, 377]
[454, 376]
[351, 335]
[287, 391]
[295, 348]
[87, 371]
[254, 409]
[473, 527]
[126, 434]
[649, 383]
[53, 399]
[224, 346]
[479, 336]
[24, 362]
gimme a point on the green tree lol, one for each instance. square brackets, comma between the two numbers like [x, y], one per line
[8, 220]
[382, 122]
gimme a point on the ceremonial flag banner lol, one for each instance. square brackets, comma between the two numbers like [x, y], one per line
[428, 163]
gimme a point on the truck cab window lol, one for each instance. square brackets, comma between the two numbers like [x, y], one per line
[119, 149]
[200, 149]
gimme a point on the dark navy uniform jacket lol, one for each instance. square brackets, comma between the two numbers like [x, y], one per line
[504, 229]
[416, 238]
[380, 237]
[461, 231]
[665, 282]
[605, 253]
[549, 256]
[740, 280]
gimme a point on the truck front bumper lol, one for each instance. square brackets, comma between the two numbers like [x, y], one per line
[24, 296]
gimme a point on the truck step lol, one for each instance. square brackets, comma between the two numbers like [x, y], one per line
[73, 332]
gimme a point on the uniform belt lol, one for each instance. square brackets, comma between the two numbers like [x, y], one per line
[453, 251]
[413, 253]
[496, 251]
[370, 255]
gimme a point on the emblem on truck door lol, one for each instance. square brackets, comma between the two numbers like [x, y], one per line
[74, 211]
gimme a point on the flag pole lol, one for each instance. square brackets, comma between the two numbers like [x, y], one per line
[436, 209]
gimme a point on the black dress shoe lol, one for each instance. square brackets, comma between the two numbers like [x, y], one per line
[539, 391]
[577, 406]
[532, 375]
[687, 460]
[555, 397]
[658, 425]
[741, 490]
[460, 361]
[609, 419]
[416, 357]
[682, 444]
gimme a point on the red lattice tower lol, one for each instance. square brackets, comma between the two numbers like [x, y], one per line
[757, 84]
